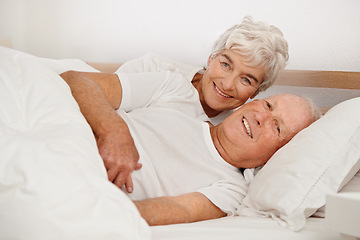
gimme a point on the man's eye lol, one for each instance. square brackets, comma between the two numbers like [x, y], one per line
[268, 105]
[278, 129]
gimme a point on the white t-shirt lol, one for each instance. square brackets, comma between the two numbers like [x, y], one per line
[169, 127]
[154, 63]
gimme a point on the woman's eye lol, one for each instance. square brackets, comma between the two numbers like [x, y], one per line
[247, 81]
[225, 64]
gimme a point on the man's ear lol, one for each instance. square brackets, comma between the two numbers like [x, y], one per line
[254, 94]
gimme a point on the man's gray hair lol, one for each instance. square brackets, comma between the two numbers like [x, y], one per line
[260, 44]
[316, 112]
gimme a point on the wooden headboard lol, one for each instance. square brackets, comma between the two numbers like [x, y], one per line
[300, 78]
[337, 80]
[324, 79]
[337, 84]
[105, 67]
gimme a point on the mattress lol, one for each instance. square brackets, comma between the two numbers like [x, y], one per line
[249, 228]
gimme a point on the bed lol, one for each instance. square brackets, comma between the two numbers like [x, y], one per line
[53, 184]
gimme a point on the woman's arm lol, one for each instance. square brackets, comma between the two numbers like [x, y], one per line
[99, 95]
[190, 207]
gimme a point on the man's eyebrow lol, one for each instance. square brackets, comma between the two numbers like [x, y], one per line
[247, 74]
[279, 120]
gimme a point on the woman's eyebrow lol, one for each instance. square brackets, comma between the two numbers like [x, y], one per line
[231, 61]
[227, 57]
[252, 76]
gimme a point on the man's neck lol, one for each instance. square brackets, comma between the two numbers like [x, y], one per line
[215, 133]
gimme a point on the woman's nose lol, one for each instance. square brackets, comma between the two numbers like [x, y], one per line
[228, 82]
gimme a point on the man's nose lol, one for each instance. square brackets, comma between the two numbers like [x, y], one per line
[263, 117]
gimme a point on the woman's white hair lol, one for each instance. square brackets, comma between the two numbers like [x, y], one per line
[260, 44]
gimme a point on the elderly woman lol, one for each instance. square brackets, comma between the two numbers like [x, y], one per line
[245, 60]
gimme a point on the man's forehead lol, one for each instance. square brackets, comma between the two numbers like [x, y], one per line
[290, 111]
[287, 99]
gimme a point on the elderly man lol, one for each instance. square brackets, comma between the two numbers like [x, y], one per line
[190, 168]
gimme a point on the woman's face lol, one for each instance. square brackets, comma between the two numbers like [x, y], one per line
[228, 82]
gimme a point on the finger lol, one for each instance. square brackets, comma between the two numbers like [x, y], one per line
[112, 174]
[129, 184]
[138, 166]
[120, 179]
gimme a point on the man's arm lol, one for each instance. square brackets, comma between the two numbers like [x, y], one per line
[98, 95]
[190, 207]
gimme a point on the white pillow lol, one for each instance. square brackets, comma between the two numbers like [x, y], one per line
[319, 160]
[53, 183]
[352, 186]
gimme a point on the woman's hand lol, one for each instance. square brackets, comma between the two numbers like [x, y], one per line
[98, 95]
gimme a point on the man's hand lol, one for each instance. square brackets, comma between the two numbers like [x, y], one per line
[119, 154]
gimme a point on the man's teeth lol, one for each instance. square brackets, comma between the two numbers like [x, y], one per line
[221, 93]
[246, 124]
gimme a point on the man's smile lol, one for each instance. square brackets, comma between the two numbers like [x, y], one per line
[247, 127]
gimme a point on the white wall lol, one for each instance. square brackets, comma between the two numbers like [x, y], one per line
[323, 35]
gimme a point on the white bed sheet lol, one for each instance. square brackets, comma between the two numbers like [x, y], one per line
[53, 183]
[233, 228]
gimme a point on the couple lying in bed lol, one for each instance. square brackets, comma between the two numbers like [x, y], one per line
[154, 124]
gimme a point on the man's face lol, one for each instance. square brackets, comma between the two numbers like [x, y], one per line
[253, 133]
[228, 82]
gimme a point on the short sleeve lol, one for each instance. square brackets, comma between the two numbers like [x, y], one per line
[140, 90]
[228, 194]
[146, 63]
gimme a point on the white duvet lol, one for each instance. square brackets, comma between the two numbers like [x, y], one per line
[53, 184]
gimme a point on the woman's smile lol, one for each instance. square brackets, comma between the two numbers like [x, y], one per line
[221, 93]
